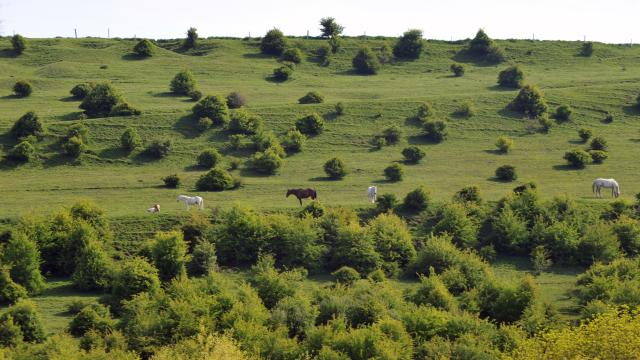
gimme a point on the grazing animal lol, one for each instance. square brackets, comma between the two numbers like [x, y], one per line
[302, 194]
[191, 200]
[600, 183]
[372, 192]
[154, 209]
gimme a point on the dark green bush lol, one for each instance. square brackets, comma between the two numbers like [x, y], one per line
[235, 100]
[335, 169]
[512, 77]
[608, 119]
[266, 162]
[530, 101]
[577, 158]
[393, 241]
[23, 152]
[191, 40]
[169, 254]
[144, 48]
[273, 43]
[195, 95]
[413, 154]
[468, 194]
[204, 124]
[466, 110]
[214, 108]
[425, 111]
[19, 43]
[563, 113]
[433, 292]
[506, 173]
[324, 54]
[171, 181]
[135, 275]
[346, 275]
[216, 179]
[504, 144]
[272, 285]
[203, 258]
[94, 317]
[81, 91]
[183, 83]
[209, 158]
[282, 73]
[10, 291]
[394, 172]
[74, 146]
[312, 97]
[598, 156]
[483, 46]
[627, 230]
[311, 124]
[314, 209]
[159, 148]
[93, 268]
[25, 315]
[587, 49]
[294, 140]
[454, 220]
[354, 247]
[409, 45]
[386, 203]
[457, 69]
[268, 140]
[545, 123]
[243, 122]
[417, 200]
[435, 130]
[339, 108]
[392, 135]
[130, 140]
[365, 62]
[293, 55]
[599, 143]
[22, 88]
[102, 98]
[124, 109]
[598, 243]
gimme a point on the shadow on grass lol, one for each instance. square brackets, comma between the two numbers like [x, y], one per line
[576, 142]
[61, 160]
[631, 110]
[500, 181]
[195, 167]
[506, 112]
[70, 116]
[8, 53]
[12, 96]
[323, 178]
[70, 99]
[9, 164]
[114, 153]
[421, 140]
[499, 88]
[330, 116]
[133, 57]
[167, 94]
[635, 140]
[495, 152]
[464, 56]
[186, 127]
[258, 56]
[413, 121]
[565, 167]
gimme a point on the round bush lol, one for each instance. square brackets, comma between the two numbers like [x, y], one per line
[136, 275]
[346, 275]
[236, 100]
[598, 156]
[311, 124]
[124, 109]
[214, 108]
[81, 91]
[293, 55]
[27, 125]
[392, 134]
[25, 315]
[191, 40]
[23, 152]
[386, 203]
[409, 45]
[209, 158]
[506, 173]
[203, 124]
[159, 148]
[379, 142]
[598, 143]
[504, 144]
[425, 111]
[171, 181]
[102, 98]
[22, 88]
[183, 83]
[577, 158]
[339, 108]
[74, 146]
[545, 123]
[312, 97]
[130, 140]
[608, 119]
[585, 134]
[273, 43]
[293, 141]
[530, 101]
[19, 43]
[393, 172]
[216, 179]
[283, 73]
[195, 95]
[457, 69]
[436, 130]
[144, 48]
[417, 200]
[468, 194]
[95, 317]
[324, 54]
[335, 169]
[466, 109]
[413, 154]
[266, 162]
[366, 62]
[563, 113]
[512, 77]
[10, 291]
[242, 122]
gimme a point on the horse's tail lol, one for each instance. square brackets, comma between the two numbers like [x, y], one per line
[593, 187]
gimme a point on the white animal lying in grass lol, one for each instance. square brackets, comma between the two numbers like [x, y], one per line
[154, 209]
[372, 192]
[191, 200]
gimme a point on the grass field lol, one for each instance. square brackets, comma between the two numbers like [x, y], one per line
[125, 185]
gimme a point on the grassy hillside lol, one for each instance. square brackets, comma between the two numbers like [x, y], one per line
[125, 185]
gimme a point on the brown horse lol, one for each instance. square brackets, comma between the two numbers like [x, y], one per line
[302, 194]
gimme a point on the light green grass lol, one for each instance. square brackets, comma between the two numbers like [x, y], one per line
[125, 185]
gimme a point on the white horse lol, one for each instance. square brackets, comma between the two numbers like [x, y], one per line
[612, 184]
[191, 200]
[154, 209]
[372, 192]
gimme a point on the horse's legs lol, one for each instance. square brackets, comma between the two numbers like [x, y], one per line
[300, 199]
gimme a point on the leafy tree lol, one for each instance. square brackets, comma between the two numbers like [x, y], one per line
[273, 43]
[506, 173]
[311, 124]
[312, 97]
[413, 154]
[94, 317]
[22, 88]
[159, 148]
[346, 275]
[435, 130]
[22, 254]
[454, 220]
[130, 140]
[203, 258]
[330, 28]
[25, 315]
[80, 91]
[393, 241]
[183, 83]
[74, 146]
[599, 143]
[216, 179]
[171, 181]
[432, 291]
[266, 162]
[293, 55]
[386, 203]
[417, 200]
[598, 243]
[335, 43]
[93, 269]
[214, 108]
[19, 43]
[482, 45]
[366, 62]
[409, 45]
[169, 253]
[512, 77]
[272, 285]
[585, 134]
[209, 158]
[101, 100]
[144, 48]
[530, 101]
[294, 140]
[135, 276]
[393, 172]
[191, 42]
[457, 69]
[335, 169]
[355, 248]
[504, 144]
[577, 158]
[540, 259]
[282, 73]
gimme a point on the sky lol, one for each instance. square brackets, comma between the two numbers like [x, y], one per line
[613, 21]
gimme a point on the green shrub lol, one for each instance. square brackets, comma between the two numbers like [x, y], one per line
[608, 119]
[169, 254]
[203, 258]
[577, 158]
[585, 134]
[335, 169]
[22, 88]
[296, 314]
[386, 203]
[216, 179]
[94, 317]
[214, 108]
[293, 140]
[346, 275]
[267, 140]
[159, 148]
[435, 130]
[457, 69]
[563, 113]
[354, 247]
[392, 134]
[79, 130]
[23, 152]
[242, 122]
[10, 291]
[365, 62]
[81, 91]
[272, 285]
[235, 100]
[130, 140]
[144, 48]
[598, 243]
[628, 232]
[191, 40]
[183, 83]
[19, 43]
[311, 124]
[10, 333]
[393, 241]
[468, 194]
[587, 49]
[545, 123]
[509, 232]
[599, 143]
[466, 110]
[266, 162]
[453, 219]
[432, 291]
[282, 73]
[413, 154]
[293, 55]
[204, 124]
[417, 200]
[339, 108]
[22, 254]
[504, 144]
[330, 28]
[102, 98]
[273, 43]
[209, 158]
[135, 275]
[379, 142]
[540, 259]
[598, 156]
[482, 45]
[335, 43]
[385, 55]
[409, 45]
[530, 101]
[324, 54]
[25, 315]
[512, 77]
[124, 109]
[312, 97]
[195, 95]
[393, 172]
[425, 111]
[171, 181]
[74, 146]
[506, 173]
[92, 265]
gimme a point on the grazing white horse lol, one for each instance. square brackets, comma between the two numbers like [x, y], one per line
[191, 200]
[372, 192]
[612, 184]
[154, 209]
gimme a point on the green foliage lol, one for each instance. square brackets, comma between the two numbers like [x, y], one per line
[409, 45]
[585, 134]
[282, 73]
[144, 48]
[457, 69]
[124, 109]
[10, 333]
[386, 203]
[483, 46]
[468, 194]
[203, 258]
[324, 54]
[394, 172]
[293, 55]
[330, 28]
[169, 254]
[385, 55]
[204, 124]
[171, 181]
[417, 200]
[512, 77]
[435, 130]
[23, 152]
[425, 111]
[453, 219]
[22, 255]
[586, 49]
[214, 108]
[10, 291]
[312, 97]
[354, 247]
[504, 144]
[294, 140]
[563, 113]
[134, 276]
[509, 232]
[392, 134]
[540, 259]
[22, 88]
[81, 91]
[346, 275]
[508, 303]
[545, 123]
[74, 146]
[93, 268]
[209, 158]
[101, 100]
[273, 286]
[598, 243]
[599, 143]
[159, 148]
[195, 95]
[392, 241]
[94, 317]
[19, 43]
[191, 42]
[216, 179]
[365, 62]
[183, 83]
[340, 108]
[530, 101]
[598, 156]
[615, 283]
[240, 235]
[413, 154]
[243, 122]
[130, 140]
[25, 315]
[379, 142]
[628, 232]
[335, 169]
[433, 292]
[236, 100]
[266, 162]
[466, 110]
[577, 158]
[273, 43]
[296, 313]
